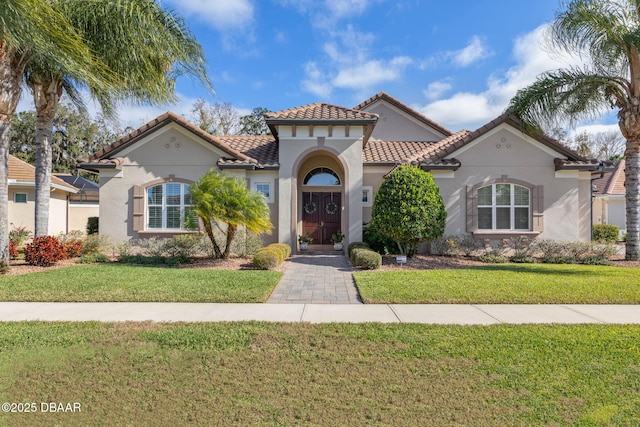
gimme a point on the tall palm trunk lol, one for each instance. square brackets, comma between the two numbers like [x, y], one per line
[46, 95]
[629, 122]
[12, 63]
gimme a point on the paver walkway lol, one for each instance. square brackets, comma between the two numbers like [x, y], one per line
[316, 279]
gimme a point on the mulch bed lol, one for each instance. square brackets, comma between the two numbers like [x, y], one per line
[418, 262]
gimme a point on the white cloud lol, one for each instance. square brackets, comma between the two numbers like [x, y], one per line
[220, 14]
[436, 89]
[371, 73]
[344, 8]
[315, 81]
[474, 51]
[479, 108]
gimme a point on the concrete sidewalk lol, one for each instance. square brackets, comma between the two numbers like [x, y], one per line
[458, 314]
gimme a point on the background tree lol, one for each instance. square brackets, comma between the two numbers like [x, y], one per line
[28, 28]
[226, 203]
[143, 55]
[254, 123]
[217, 119]
[408, 209]
[605, 31]
[75, 135]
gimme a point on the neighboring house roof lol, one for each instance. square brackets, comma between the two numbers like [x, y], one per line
[404, 107]
[22, 173]
[611, 183]
[88, 191]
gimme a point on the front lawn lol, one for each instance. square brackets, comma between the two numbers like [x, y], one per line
[503, 284]
[125, 283]
[330, 375]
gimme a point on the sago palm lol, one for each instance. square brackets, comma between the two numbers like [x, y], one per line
[28, 28]
[144, 46]
[607, 34]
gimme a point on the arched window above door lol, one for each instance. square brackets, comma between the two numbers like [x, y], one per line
[321, 177]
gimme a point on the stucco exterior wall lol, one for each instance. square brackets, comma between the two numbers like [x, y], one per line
[169, 152]
[610, 209]
[295, 150]
[508, 153]
[395, 125]
[23, 214]
[270, 177]
[79, 214]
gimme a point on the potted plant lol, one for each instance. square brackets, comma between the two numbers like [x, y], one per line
[337, 239]
[305, 240]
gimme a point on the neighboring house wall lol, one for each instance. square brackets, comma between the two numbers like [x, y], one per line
[79, 215]
[22, 214]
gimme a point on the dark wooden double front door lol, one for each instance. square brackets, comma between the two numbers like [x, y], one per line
[321, 213]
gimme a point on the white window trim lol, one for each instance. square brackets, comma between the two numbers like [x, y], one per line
[269, 199]
[26, 198]
[512, 208]
[369, 190]
[163, 206]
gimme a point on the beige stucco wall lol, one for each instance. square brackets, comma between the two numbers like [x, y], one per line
[23, 214]
[296, 152]
[170, 151]
[610, 209]
[270, 177]
[507, 152]
[395, 125]
[79, 214]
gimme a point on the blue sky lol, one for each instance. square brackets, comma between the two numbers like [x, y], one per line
[457, 61]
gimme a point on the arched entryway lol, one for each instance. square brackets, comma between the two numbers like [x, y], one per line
[320, 192]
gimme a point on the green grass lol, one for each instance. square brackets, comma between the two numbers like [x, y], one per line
[113, 282]
[331, 375]
[503, 284]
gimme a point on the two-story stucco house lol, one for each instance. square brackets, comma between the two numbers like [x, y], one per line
[323, 164]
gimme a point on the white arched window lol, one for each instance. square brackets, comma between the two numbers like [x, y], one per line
[168, 205]
[504, 206]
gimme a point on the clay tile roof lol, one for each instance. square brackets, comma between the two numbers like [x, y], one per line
[611, 183]
[394, 151]
[262, 148]
[320, 112]
[23, 172]
[404, 107]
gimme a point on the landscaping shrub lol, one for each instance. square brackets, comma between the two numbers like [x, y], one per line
[378, 242]
[493, 257]
[44, 251]
[605, 233]
[286, 249]
[577, 250]
[605, 251]
[140, 259]
[408, 208]
[266, 259]
[366, 259]
[522, 259]
[13, 250]
[73, 248]
[181, 246]
[355, 245]
[95, 243]
[549, 249]
[4, 267]
[278, 251]
[557, 259]
[18, 235]
[93, 225]
[93, 258]
[596, 260]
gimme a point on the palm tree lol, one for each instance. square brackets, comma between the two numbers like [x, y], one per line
[218, 199]
[27, 28]
[144, 46]
[606, 32]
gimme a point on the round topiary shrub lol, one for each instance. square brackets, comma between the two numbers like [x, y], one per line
[355, 245]
[44, 251]
[284, 247]
[266, 259]
[282, 253]
[367, 259]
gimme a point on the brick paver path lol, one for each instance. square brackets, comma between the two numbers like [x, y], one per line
[316, 279]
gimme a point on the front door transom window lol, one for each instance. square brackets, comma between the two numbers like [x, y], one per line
[321, 177]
